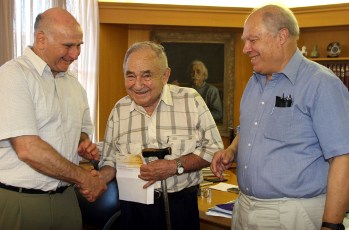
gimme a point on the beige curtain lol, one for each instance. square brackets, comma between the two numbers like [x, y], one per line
[6, 28]
[86, 12]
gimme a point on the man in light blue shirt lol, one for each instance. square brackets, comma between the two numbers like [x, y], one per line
[293, 140]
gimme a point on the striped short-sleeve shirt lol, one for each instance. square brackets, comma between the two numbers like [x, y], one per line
[181, 121]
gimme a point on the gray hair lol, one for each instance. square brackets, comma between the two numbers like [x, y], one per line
[37, 22]
[276, 17]
[158, 49]
[195, 62]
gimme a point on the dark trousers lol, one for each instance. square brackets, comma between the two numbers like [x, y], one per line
[183, 211]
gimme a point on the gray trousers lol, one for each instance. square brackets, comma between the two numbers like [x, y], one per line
[20, 211]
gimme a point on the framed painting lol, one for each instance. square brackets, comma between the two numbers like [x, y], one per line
[216, 52]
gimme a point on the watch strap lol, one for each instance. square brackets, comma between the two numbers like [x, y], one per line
[332, 226]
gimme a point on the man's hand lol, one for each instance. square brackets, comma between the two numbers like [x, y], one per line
[93, 187]
[157, 170]
[221, 161]
[88, 150]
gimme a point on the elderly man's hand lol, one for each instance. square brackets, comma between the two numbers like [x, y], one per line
[88, 150]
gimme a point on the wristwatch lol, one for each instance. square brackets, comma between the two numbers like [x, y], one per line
[180, 168]
[339, 226]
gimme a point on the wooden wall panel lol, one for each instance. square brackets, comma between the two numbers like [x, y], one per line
[137, 35]
[174, 15]
[243, 72]
[113, 45]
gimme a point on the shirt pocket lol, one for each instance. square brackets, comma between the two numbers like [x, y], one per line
[278, 126]
[181, 144]
[75, 105]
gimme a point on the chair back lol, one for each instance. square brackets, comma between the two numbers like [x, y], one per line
[104, 210]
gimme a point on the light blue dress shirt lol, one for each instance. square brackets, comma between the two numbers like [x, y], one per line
[283, 150]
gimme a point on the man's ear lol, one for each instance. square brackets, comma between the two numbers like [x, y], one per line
[166, 75]
[40, 39]
[283, 35]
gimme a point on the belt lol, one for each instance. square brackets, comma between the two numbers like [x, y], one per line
[32, 191]
[174, 195]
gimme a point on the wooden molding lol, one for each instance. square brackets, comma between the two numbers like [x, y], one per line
[323, 16]
[175, 15]
[208, 16]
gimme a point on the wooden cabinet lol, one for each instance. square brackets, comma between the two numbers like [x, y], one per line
[322, 37]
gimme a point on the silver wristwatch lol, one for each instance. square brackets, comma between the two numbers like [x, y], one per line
[180, 168]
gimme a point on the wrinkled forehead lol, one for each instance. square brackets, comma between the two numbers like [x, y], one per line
[143, 60]
[253, 27]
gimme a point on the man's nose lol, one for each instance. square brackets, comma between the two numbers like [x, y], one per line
[74, 52]
[138, 81]
[247, 48]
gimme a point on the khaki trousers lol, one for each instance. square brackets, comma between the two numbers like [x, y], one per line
[20, 211]
[251, 213]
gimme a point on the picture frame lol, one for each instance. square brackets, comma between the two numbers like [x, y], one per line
[216, 50]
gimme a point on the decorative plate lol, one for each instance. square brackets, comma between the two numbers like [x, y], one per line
[333, 49]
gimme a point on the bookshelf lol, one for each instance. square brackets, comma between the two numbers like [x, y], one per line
[322, 36]
[335, 59]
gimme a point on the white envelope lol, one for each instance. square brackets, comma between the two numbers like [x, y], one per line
[131, 187]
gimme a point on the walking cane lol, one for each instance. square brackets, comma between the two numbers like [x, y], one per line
[160, 154]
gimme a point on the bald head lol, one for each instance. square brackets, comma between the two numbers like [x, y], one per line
[55, 19]
[275, 17]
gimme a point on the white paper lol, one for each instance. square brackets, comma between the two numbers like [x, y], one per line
[130, 186]
[213, 213]
[346, 223]
[223, 186]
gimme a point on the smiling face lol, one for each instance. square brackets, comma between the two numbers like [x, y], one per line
[262, 45]
[58, 39]
[62, 49]
[145, 76]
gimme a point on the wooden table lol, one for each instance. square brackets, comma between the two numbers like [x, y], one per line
[217, 197]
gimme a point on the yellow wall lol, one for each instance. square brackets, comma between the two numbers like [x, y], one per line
[122, 24]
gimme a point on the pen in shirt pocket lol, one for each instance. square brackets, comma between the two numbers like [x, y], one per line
[283, 102]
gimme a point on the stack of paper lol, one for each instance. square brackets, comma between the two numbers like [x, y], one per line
[223, 210]
[206, 172]
[225, 187]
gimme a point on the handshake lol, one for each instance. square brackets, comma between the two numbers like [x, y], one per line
[93, 185]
